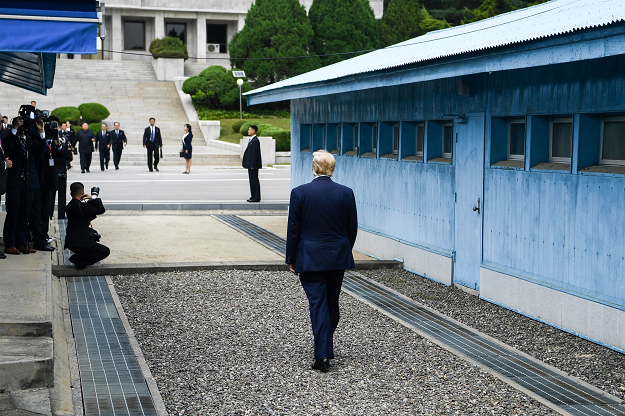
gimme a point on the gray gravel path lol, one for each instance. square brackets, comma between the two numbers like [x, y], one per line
[239, 343]
[597, 365]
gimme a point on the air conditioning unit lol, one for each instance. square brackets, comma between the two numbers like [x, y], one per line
[212, 47]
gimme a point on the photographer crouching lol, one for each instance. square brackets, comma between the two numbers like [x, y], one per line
[80, 237]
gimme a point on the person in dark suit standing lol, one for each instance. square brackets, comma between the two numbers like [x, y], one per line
[187, 148]
[63, 156]
[118, 142]
[152, 141]
[14, 149]
[253, 162]
[103, 146]
[322, 228]
[5, 165]
[85, 139]
[79, 217]
[4, 127]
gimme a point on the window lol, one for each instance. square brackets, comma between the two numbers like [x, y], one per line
[134, 36]
[395, 138]
[217, 38]
[177, 30]
[447, 140]
[305, 137]
[420, 136]
[613, 141]
[368, 140]
[349, 137]
[333, 138]
[516, 139]
[355, 137]
[561, 140]
[319, 137]
[374, 138]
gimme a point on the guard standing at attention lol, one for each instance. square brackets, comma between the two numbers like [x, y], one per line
[252, 162]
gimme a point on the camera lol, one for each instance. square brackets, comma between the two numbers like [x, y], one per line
[95, 191]
[30, 115]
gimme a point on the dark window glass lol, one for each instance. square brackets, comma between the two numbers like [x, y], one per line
[338, 138]
[420, 137]
[561, 136]
[217, 35]
[614, 140]
[134, 36]
[395, 138]
[374, 136]
[517, 138]
[177, 30]
[447, 139]
[355, 136]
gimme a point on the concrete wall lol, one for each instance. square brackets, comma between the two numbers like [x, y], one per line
[559, 229]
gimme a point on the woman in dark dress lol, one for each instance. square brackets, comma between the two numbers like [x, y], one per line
[186, 146]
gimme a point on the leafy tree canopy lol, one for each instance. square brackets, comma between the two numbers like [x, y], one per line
[488, 9]
[342, 26]
[274, 29]
[406, 19]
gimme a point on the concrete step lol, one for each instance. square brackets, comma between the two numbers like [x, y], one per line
[26, 363]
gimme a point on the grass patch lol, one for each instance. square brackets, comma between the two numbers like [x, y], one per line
[208, 114]
[227, 135]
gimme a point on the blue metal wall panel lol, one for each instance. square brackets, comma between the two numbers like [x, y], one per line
[559, 228]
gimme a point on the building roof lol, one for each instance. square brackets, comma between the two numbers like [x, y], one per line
[545, 20]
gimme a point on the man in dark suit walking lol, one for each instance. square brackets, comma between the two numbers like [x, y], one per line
[118, 142]
[252, 162]
[5, 165]
[79, 217]
[153, 142]
[85, 139]
[321, 233]
[103, 145]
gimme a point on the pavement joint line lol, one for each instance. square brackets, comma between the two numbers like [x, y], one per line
[159, 404]
[557, 389]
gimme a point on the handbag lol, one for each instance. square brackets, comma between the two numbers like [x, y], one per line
[182, 152]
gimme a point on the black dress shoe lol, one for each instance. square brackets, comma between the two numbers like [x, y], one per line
[82, 171]
[155, 168]
[116, 167]
[150, 170]
[45, 248]
[321, 364]
[3, 256]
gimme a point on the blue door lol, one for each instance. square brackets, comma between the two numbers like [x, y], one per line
[468, 149]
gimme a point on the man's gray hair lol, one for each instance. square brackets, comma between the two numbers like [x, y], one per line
[323, 163]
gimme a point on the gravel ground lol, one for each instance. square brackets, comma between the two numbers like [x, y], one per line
[597, 365]
[239, 343]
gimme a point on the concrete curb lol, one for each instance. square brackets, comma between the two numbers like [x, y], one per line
[137, 268]
[137, 206]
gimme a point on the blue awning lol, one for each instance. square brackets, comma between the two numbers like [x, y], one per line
[33, 32]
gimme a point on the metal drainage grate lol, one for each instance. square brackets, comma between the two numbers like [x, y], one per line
[112, 382]
[560, 390]
[264, 237]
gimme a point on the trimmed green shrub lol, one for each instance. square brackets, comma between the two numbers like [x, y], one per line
[168, 47]
[263, 127]
[93, 112]
[236, 126]
[216, 88]
[94, 127]
[67, 113]
[245, 126]
[283, 141]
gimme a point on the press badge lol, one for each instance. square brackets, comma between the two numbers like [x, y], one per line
[51, 162]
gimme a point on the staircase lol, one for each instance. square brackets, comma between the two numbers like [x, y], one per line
[132, 95]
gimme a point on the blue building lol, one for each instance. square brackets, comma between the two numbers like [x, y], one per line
[490, 156]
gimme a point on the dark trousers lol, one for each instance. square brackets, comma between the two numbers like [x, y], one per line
[46, 210]
[85, 161]
[152, 151]
[105, 156]
[323, 290]
[62, 198]
[13, 202]
[254, 184]
[31, 224]
[87, 256]
[117, 156]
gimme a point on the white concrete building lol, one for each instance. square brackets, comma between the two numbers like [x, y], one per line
[206, 26]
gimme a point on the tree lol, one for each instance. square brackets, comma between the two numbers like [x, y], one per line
[406, 19]
[216, 87]
[489, 8]
[274, 29]
[342, 26]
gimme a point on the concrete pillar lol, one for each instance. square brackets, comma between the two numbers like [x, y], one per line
[241, 22]
[159, 24]
[200, 38]
[116, 34]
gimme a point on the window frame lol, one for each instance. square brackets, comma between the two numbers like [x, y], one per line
[609, 162]
[375, 137]
[178, 23]
[125, 34]
[448, 155]
[511, 121]
[552, 121]
[419, 125]
[396, 149]
[308, 149]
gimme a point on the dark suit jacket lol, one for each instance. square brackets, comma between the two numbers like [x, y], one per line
[4, 132]
[102, 139]
[186, 142]
[157, 137]
[322, 226]
[251, 156]
[85, 145]
[72, 137]
[48, 177]
[79, 216]
[117, 142]
[13, 150]
[3, 172]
